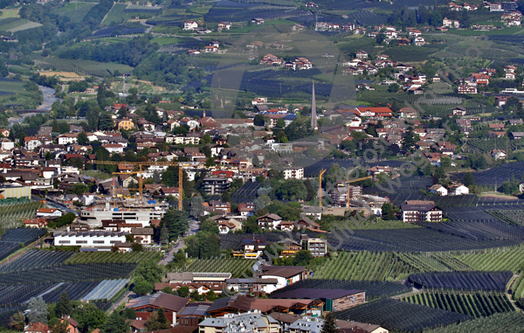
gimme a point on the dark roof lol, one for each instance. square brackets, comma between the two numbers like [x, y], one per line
[284, 317]
[420, 206]
[283, 271]
[310, 293]
[167, 301]
[195, 309]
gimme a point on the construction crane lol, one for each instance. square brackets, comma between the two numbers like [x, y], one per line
[353, 181]
[322, 172]
[140, 180]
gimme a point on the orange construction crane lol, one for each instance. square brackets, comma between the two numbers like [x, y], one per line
[322, 172]
[353, 181]
[140, 180]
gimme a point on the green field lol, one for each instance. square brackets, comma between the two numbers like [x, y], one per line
[112, 257]
[12, 215]
[14, 24]
[237, 267]
[499, 322]
[75, 11]
[476, 305]
[498, 259]
[82, 66]
[165, 40]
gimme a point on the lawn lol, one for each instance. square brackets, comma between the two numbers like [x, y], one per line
[9, 13]
[83, 66]
[165, 40]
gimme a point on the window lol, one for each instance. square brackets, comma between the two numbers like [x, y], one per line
[65, 242]
[81, 242]
[98, 242]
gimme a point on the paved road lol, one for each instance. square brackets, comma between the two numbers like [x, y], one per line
[57, 205]
[179, 244]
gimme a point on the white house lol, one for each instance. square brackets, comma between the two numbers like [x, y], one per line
[48, 212]
[285, 275]
[438, 190]
[190, 25]
[293, 173]
[67, 138]
[31, 143]
[114, 148]
[458, 189]
[97, 239]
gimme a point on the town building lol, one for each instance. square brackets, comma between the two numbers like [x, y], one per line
[421, 211]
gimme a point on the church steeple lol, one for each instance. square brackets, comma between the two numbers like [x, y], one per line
[313, 109]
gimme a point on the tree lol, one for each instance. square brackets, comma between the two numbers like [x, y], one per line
[106, 122]
[149, 271]
[468, 180]
[176, 223]
[388, 212]
[303, 258]
[89, 317]
[292, 189]
[281, 123]
[17, 321]
[157, 177]
[183, 291]
[82, 138]
[116, 323]
[259, 120]
[64, 306]
[196, 206]
[137, 247]
[157, 321]
[330, 324]
[211, 296]
[57, 325]
[164, 235]
[122, 112]
[79, 189]
[143, 287]
[38, 311]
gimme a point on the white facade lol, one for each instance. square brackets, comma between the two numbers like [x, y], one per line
[48, 212]
[294, 173]
[282, 281]
[66, 139]
[190, 25]
[97, 239]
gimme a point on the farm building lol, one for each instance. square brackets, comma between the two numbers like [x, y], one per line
[15, 192]
[334, 299]
[285, 275]
[243, 304]
[146, 305]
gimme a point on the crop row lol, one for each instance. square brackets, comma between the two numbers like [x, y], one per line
[17, 294]
[373, 289]
[400, 316]
[36, 259]
[475, 305]
[507, 322]
[105, 290]
[112, 257]
[496, 259]
[475, 280]
[514, 217]
[75, 290]
[365, 266]
[22, 235]
[19, 211]
[479, 229]
[69, 273]
[237, 267]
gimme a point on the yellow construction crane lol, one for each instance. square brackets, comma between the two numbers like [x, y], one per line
[322, 172]
[353, 181]
[140, 181]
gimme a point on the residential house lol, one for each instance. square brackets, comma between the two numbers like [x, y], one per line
[269, 221]
[421, 211]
